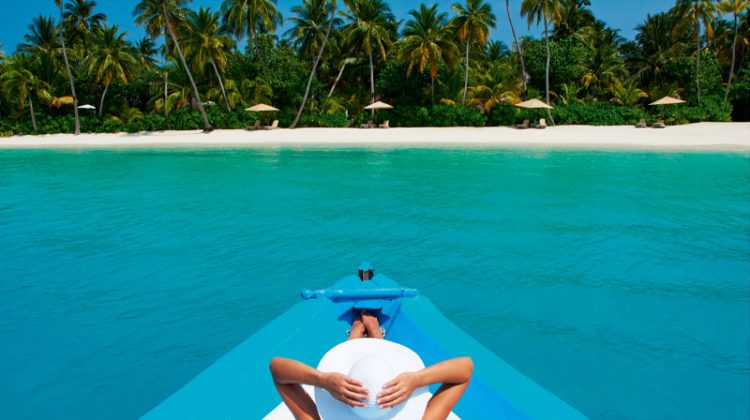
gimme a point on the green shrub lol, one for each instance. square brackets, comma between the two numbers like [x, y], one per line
[597, 113]
[435, 116]
[507, 115]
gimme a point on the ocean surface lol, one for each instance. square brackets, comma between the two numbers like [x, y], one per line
[619, 280]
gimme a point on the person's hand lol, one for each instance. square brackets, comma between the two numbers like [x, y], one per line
[345, 389]
[398, 390]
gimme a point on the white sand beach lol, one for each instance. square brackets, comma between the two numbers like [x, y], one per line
[703, 136]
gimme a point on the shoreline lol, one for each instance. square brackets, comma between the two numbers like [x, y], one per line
[701, 136]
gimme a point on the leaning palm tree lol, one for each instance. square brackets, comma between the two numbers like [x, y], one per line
[205, 45]
[59, 4]
[734, 7]
[81, 19]
[542, 10]
[331, 21]
[427, 40]
[473, 20]
[693, 12]
[524, 76]
[20, 83]
[152, 14]
[247, 17]
[110, 59]
[370, 28]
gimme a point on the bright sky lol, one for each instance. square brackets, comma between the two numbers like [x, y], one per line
[622, 14]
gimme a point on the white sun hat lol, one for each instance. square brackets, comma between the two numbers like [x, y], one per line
[374, 362]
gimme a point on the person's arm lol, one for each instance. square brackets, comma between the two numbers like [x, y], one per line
[343, 388]
[400, 388]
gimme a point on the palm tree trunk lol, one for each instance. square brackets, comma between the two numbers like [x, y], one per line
[432, 90]
[70, 75]
[258, 54]
[731, 69]
[466, 75]
[698, 59]
[166, 76]
[372, 84]
[372, 80]
[518, 46]
[31, 110]
[206, 125]
[221, 84]
[101, 103]
[315, 64]
[335, 82]
[546, 69]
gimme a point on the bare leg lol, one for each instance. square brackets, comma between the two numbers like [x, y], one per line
[372, 326]
[358, 329]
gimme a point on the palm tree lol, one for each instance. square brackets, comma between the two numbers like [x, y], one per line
[59, 4]
[524, 75]
[145, 52]
[574, 16]
[542, 10]
[427, 40]
[694, 12]
[371, 27]
[205, 45]
[627, 93]
[475, 20]
[602, 65]
[247, 17]
[168, 13]
[82, 21]
[309, 26]
[20, 83]
[331, 21]
[110, 59]
[735, 7]
[499, 85]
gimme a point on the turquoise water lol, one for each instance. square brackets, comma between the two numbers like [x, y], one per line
[618, 280]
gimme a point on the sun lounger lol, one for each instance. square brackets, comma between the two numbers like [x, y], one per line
[641, 124]
[255, 126]
[369, 124]
[659, 124]
[273, 126]
[524, 125]
[542, 123]
[386, 124]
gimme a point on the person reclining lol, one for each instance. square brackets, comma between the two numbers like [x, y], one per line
[404, 393]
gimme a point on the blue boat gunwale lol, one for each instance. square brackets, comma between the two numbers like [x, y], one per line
[238, 385]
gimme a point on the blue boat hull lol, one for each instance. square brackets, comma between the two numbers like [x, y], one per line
[239, 385]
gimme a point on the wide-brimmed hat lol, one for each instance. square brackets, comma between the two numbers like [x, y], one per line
[373, 362]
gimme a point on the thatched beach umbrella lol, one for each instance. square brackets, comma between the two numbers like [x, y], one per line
[378, 105]
[533, 104]
[667, 100]
[262, 108]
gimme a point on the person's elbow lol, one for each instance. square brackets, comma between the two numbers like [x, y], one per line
[275, 367]
[467, 368]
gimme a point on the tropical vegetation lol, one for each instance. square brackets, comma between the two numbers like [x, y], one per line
[201, 68]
